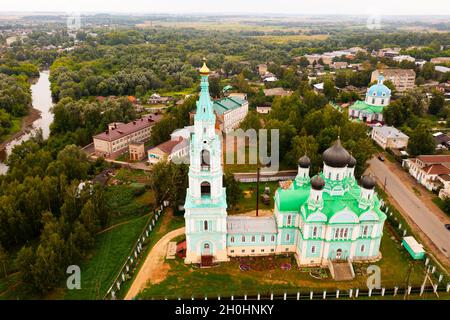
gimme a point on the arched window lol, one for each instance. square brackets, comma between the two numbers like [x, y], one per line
[232, 239]
[288, 237]
[205, 189]
[315, 232]
[363, 248]
[365, 230]
[253, 239]
[263, 238]
[382, 101]
[373, 100]
[272, 239]
[243, 238]
[345, 233]
[289, 220]
[341, 233]
[205, 225]
[205, 159]
[336, 233]
[313, 249]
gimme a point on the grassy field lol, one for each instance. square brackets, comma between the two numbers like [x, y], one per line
[248, 198]
[111, 251]
[227, 278]
[15, 127]
[165, 224]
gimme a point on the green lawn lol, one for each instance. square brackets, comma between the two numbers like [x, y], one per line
[226, 278]
[248, 203]
[111, 251]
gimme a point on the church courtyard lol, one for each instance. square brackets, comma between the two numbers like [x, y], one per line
[279, 274]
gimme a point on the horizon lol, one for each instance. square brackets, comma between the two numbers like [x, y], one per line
[232, 7]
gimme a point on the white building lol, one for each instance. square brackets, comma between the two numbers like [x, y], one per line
[427, 169]
[230, 111]
[389, 137]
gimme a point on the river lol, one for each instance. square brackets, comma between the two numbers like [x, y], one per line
[42, 101]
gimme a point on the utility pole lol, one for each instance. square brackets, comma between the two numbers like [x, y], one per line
[385, 181]
[257, 190]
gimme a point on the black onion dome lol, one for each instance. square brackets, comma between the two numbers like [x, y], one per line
[317, 183]
[352, 162]
[304, 162]
[367, 182]
[336, 156]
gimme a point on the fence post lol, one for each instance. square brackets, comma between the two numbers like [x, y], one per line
[422, 288]
[448, 287]
[232, 297]
[311, 294]
[258, 297]
[350, 293]
[123, 277]
[440, 277]
[192, 297]
[245, 297]
[206, 297]
[337, 294]
[433, 269]
[435, 286]
[357, 293]
[395, 291]
[409, 290]
[383, 290]
[284, 296]
[370, 292]
[218, 297]
[427, 260]
[404, 233]
[324, 294]
[113, 295]
[298, 295]
[271, 296]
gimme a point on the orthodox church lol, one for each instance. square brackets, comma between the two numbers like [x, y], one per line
[325, 218]
[370, 110]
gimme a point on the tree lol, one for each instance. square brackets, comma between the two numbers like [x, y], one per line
[421, 141]
[303, 62]
[436, 103]
[329, 89]
[3, 259]
[214, 87]
[251, 121]
[234, 193]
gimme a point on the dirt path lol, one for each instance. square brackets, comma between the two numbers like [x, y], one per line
[154, 270]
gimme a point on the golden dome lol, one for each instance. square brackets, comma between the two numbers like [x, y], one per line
[204, 70]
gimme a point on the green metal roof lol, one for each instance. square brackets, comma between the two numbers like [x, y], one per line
[227, 104]
[363, 106]
[296, 198]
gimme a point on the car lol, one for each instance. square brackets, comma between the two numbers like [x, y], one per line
[447, 226]
[381, 158]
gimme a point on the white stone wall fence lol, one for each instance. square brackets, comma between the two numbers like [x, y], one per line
[129, 267]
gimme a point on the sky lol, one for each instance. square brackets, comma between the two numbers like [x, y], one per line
[350, 7]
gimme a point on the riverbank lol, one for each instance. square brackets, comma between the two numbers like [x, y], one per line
[26, 124]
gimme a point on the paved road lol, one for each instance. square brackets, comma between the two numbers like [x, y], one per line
[413, 206]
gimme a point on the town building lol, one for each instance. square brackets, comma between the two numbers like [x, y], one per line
[265, 108]
[136, 151]
[370, 110]
[262, 69]
[277, 92]
[169, 150]
[442, 140]
[440, 60]
[339, 65]
[389, 137]
[230, 111]
[442, 69]
[321, 220]
[115, 140]
[401, 58]
[403, 79]
[427, 169]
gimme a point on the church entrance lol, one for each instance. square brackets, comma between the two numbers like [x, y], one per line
[339, 254]
[207, 256]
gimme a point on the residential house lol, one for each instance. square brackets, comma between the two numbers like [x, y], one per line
[169, 150]
[276, 92]
[427, 169]
[442, 140]
[136, 151]
[389, 137]
[403, 79]
[440, 60]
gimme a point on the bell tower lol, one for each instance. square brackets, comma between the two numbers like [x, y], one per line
[205, 205]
